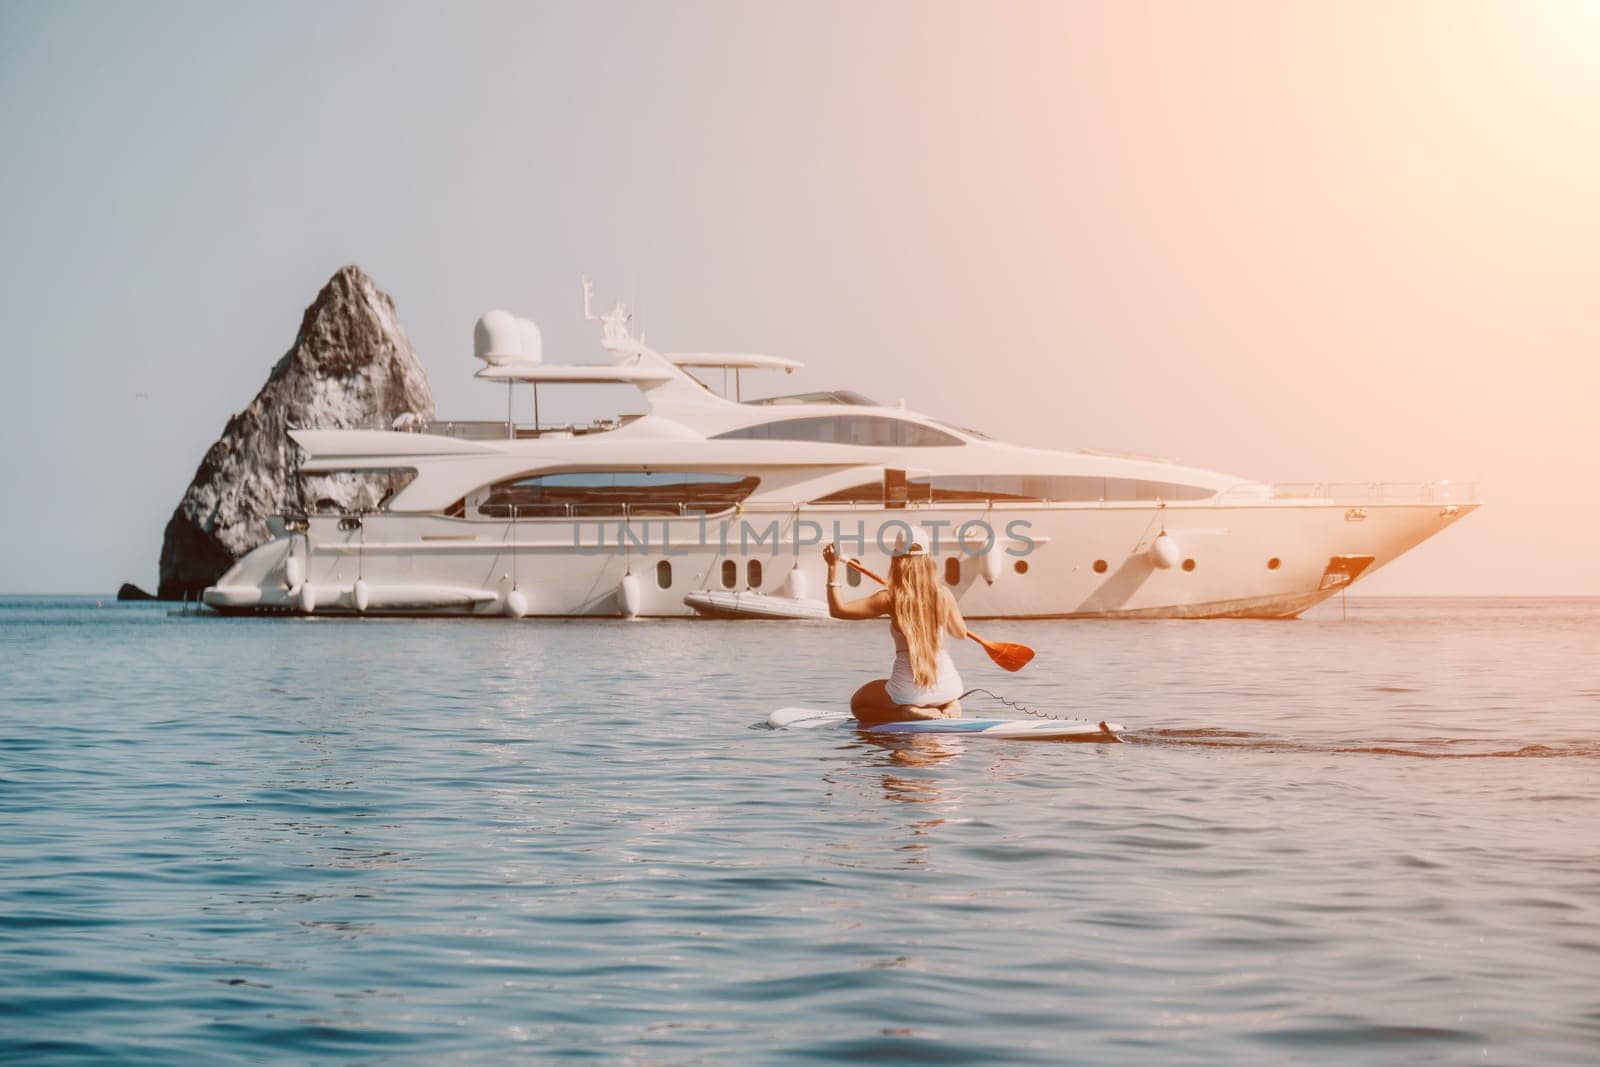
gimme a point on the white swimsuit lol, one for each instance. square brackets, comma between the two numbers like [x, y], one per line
[903, 687]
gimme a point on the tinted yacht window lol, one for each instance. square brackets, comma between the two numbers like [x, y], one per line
[585, 494]
[846, 430]
[981, 488]
[955, 488]
[866, 493]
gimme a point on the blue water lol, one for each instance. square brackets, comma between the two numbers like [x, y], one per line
[1373, 840]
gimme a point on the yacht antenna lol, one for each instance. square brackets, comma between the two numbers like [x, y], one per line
[615, 322]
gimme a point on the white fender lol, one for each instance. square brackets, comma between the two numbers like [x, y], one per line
[795, 585]
[516, 604]
[1164, 551]
[361, 594]
[628, 596]
[308, 598]
[294, 572]
[991, 562]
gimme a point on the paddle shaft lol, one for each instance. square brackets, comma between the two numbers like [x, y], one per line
[1001, 654]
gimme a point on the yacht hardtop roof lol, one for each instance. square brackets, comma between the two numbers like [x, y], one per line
[574, 373]
[733, 361]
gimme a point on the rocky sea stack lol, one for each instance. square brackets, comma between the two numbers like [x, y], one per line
[351, 366]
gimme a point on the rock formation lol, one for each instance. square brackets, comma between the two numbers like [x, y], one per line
[351, 366]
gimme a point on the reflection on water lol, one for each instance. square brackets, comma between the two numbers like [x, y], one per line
[1363, 841]
[905, 756]
[1419, 747]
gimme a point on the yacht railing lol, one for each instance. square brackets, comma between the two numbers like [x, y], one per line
[487, 429]
[502, 431]
[472, 429]
[1338, 494]
[1356, 493]
[1343, 494]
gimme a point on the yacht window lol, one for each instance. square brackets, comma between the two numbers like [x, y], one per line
[1188, 564]
[664, 574]
[1020, 566]
[959, 488]
[852, 577]
[981, 488]
[730, 574]
[1274, 563]
[846, 430]
[866, 493]
[1099, 566]
[587, 494]
[952, 570]
[752, 571]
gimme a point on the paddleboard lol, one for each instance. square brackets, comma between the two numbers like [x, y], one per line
[1038, 729]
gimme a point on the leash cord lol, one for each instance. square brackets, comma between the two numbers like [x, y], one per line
[1024, 708]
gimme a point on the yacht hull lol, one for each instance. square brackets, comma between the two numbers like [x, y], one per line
[1266, 559]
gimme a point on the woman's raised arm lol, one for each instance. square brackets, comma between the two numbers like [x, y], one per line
[868, 607]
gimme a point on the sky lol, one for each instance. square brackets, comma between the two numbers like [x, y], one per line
[1295, 242]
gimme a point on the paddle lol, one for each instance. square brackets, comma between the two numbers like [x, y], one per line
[1008, 654]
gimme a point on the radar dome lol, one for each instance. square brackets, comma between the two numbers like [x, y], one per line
[501, 337]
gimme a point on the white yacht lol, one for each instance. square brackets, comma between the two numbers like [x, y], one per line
[711, 504]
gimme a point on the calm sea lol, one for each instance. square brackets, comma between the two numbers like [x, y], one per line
[1362, 840]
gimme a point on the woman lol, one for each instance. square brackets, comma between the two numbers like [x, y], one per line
[924, 683]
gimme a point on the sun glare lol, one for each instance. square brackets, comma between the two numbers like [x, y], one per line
[1557, 43]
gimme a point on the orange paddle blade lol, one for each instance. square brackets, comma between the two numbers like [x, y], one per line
[1008, 654]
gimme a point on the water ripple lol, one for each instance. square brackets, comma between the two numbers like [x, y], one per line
[235, 840]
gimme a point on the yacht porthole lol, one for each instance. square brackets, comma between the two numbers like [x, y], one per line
[1188, 564]
[752, 571]
[730, 574]
[852, 577]
[1020, 566]
[1274, 563]
[1099, 566]
[664, 574]
[952, 570]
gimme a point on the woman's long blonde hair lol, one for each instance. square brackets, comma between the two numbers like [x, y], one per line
[921, 610]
